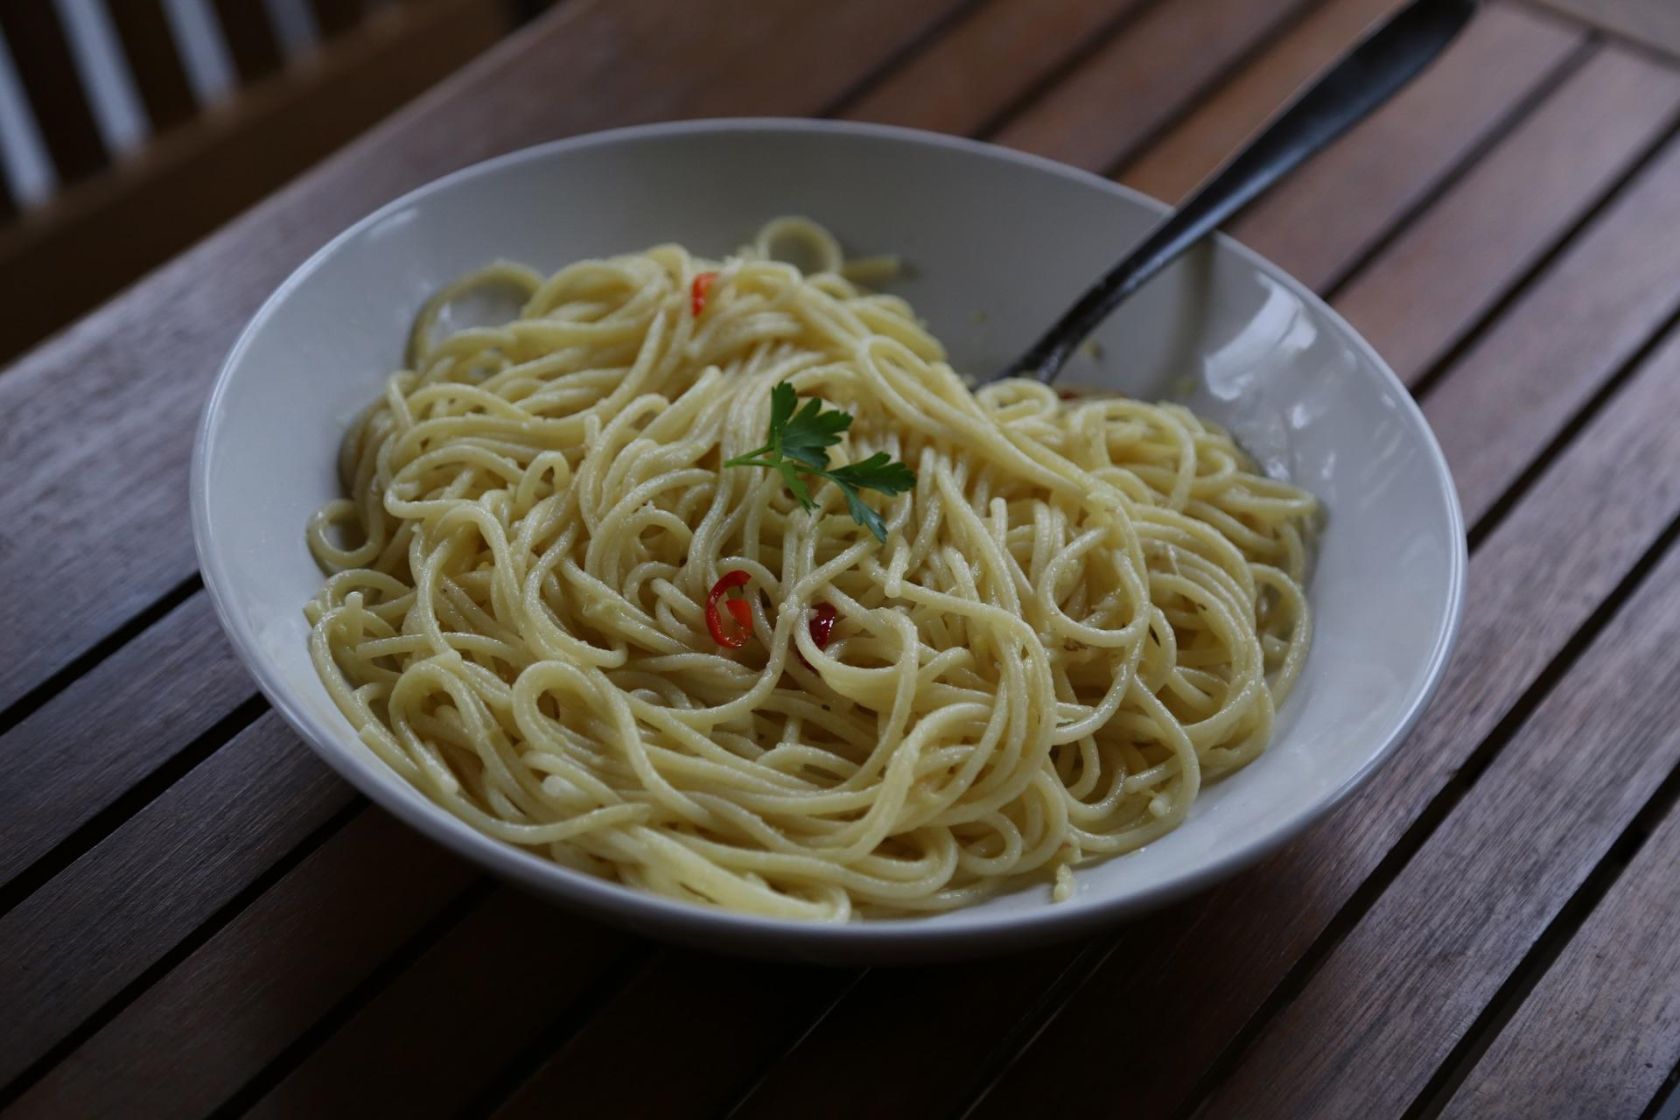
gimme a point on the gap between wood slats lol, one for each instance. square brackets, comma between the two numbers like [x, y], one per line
[1544, 259]
[1083, 52]
[555, 1035]
[1564, 926]
[1140, 87]
[30, 702]
[177, 954]
[139, 795]
[393, 966]
[1666, 1104]
[1501, 132]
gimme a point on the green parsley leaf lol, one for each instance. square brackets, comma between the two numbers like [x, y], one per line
[797, 444]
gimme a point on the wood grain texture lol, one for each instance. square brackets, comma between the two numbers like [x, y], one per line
[239, 999]
[1220, 123]
[978, 1014]
[1567, 545]
[1142, 80]
[104, 920]
[697, 1060]
[1655, 23]
[1600, 1031]
[84, 748]
[1405, 983]
[1334, 210]
[1512, 207]
[992, 56]
[140, 368]
[442, 1031]
[1546, 357]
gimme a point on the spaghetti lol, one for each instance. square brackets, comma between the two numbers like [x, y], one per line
[1082, 611]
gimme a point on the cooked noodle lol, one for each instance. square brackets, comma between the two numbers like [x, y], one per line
[1083, 610]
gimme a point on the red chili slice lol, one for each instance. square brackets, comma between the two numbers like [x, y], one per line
[821, 627]
[823, 624]
[698, 291]
[739, 608]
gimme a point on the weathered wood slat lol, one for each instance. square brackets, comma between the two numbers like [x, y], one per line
[1567, 546]
[434, 1038]
[704, 1049]
[1405, 983]
[1552, 351]
[1350, 195]
[1513, 206]
[140, 368]
[993, 56]
[1655, 23]
[980, 1015]
[1241, 105]
[1601, 1030]
[1142, 80]
[86, 747]
[251, 989]
[103, 921]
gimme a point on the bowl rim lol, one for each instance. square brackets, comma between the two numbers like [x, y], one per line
[730, 930]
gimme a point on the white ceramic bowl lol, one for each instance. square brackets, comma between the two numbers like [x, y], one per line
[998, 244]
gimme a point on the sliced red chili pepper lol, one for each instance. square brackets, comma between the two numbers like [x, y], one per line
[823, 624]
[821, 627]
[739, 608]
[698, 291]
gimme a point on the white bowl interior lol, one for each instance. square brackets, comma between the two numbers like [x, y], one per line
[997, 245]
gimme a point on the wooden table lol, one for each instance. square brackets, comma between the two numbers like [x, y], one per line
[197, 917]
